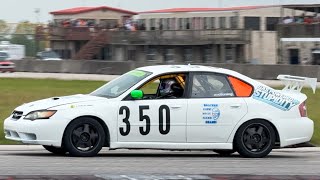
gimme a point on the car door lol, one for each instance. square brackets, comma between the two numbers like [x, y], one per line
[152, 118]
[213, 108]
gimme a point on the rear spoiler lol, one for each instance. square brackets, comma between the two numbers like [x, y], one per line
[296, 83]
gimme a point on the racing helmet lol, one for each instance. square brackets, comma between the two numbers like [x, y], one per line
[166, 87]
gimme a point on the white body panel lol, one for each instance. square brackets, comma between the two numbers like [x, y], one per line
[214, 118]
[177, 131]
[188, 129]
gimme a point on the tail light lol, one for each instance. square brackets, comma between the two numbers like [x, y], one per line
[303, 109]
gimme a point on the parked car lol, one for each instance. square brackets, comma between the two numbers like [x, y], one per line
[48, 55]
[5, 64]
[180, 107]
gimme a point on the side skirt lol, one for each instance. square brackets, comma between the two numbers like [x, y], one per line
[178, 146]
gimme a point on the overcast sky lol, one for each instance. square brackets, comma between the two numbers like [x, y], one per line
[19, 10]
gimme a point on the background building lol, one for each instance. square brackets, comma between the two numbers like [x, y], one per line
[179, 35]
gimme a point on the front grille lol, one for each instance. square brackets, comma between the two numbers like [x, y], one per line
[17, 115]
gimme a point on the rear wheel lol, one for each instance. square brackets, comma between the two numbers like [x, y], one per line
[255, 139]
[84, 137]
[224, 152]
[55, 150]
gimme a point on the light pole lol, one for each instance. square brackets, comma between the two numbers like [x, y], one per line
[37, 12]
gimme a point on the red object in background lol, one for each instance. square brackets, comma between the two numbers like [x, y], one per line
[7, 66]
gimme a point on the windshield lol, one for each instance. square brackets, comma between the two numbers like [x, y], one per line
[50, 54]
[118, 86]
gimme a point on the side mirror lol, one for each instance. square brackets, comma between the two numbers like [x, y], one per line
[136, 94]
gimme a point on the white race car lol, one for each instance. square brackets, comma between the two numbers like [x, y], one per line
[179, 107]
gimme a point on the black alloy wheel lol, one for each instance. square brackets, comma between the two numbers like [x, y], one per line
[84, 137]
[55, 150]
[255, 139]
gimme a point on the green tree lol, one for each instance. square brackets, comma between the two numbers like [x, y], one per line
[27, 41]
[25, 27]
[3, 25]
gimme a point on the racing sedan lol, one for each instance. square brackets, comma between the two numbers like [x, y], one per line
[174, 107]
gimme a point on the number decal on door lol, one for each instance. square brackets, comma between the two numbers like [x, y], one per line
[142, 118]
[145, 130]
[125, 120]
[167, 127]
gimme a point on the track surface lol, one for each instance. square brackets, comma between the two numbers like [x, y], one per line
[34, 160]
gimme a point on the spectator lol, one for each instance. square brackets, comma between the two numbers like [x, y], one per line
[308, 20]
[288, 20]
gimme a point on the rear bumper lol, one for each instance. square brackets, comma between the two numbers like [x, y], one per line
[295, 131]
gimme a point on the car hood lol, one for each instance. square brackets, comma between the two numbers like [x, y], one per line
[56, 101]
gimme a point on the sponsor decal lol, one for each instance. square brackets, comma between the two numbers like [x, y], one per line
[274, 98]
[210, 113]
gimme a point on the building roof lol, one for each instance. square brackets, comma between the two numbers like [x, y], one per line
[173, 10]
[78, 10]
[304, 7]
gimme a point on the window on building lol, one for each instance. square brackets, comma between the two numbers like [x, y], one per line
[187, 54]
[234, 22]
[180, 24]
[165, 23]
[131, 55]
[169, 54]
[210, 86]
[213, 23]
[252, 23]
[188, 23]
[271, 24]
[207, 54]
[152, 24]
[107, 52]
[222, 22]
[230, 49]
[172, 24]
[151, 53]
[140, 24]
[206, 23]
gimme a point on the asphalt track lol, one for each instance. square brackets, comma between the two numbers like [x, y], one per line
[27, 161]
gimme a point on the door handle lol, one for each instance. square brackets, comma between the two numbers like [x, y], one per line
[235, 105]
[175, 106]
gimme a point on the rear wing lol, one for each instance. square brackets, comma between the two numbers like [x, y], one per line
[296, 83]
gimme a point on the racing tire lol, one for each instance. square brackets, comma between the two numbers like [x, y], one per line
[84, 137]
[255, 139]
[224, 152]
[55, 150]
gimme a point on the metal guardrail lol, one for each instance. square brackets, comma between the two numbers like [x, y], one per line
[152, 37]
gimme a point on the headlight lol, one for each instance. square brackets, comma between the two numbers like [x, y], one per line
[41, 114]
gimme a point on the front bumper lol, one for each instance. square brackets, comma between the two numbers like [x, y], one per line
[43, 132]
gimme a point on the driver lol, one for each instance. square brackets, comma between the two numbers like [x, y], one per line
[169, 88]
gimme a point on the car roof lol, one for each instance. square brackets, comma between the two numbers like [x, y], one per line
[161, 69]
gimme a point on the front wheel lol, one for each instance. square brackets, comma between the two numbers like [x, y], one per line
[255, 139]
[84, 137]
[55, 150]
